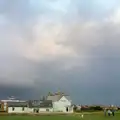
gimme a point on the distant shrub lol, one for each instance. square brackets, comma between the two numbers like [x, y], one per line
[96, 108]
[89, 109]
[118, 108]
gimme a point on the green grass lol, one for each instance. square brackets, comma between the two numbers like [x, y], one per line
[65, 117]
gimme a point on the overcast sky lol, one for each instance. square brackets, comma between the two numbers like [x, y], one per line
[67, 45]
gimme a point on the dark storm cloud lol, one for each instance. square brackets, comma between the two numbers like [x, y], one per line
[18, 91]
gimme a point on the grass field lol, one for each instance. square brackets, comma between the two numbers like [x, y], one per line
[64, 117]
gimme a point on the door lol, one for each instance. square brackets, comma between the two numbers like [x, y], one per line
[67, 109]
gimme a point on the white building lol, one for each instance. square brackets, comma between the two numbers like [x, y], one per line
[46, 106]
[61, 103]
[17, 107]
[53, 103]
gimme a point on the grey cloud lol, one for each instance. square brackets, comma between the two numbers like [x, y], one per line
[15, 9]
[95, 10]
[94, 80]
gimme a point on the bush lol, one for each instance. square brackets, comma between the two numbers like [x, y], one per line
[96, 108]
[89, 109]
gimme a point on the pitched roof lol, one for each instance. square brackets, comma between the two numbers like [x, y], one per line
[41, 104]
[17, 104]
[55, 98]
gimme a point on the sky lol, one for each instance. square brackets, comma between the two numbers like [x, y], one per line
[71, 46]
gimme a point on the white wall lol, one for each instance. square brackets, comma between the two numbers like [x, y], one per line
[27, 110]
[30, 110]
[44, 109]
[60, 106]
[17, 110]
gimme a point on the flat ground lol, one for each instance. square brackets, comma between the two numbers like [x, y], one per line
[59, 117]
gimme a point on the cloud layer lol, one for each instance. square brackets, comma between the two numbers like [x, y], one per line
[71, 46]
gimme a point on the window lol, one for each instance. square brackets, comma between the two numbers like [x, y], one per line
[47, 110]
[13, 109]
[23, 109]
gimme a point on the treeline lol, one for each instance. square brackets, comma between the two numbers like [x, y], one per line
[91, 108]
[88, 109]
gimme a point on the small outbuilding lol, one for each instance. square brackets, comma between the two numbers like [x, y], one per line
[17, 107]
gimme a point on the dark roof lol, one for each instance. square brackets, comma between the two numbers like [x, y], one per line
[17, 104]
[34, 103]
[41, 104]
[46, 104]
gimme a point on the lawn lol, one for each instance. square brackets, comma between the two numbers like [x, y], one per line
[58, 117]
